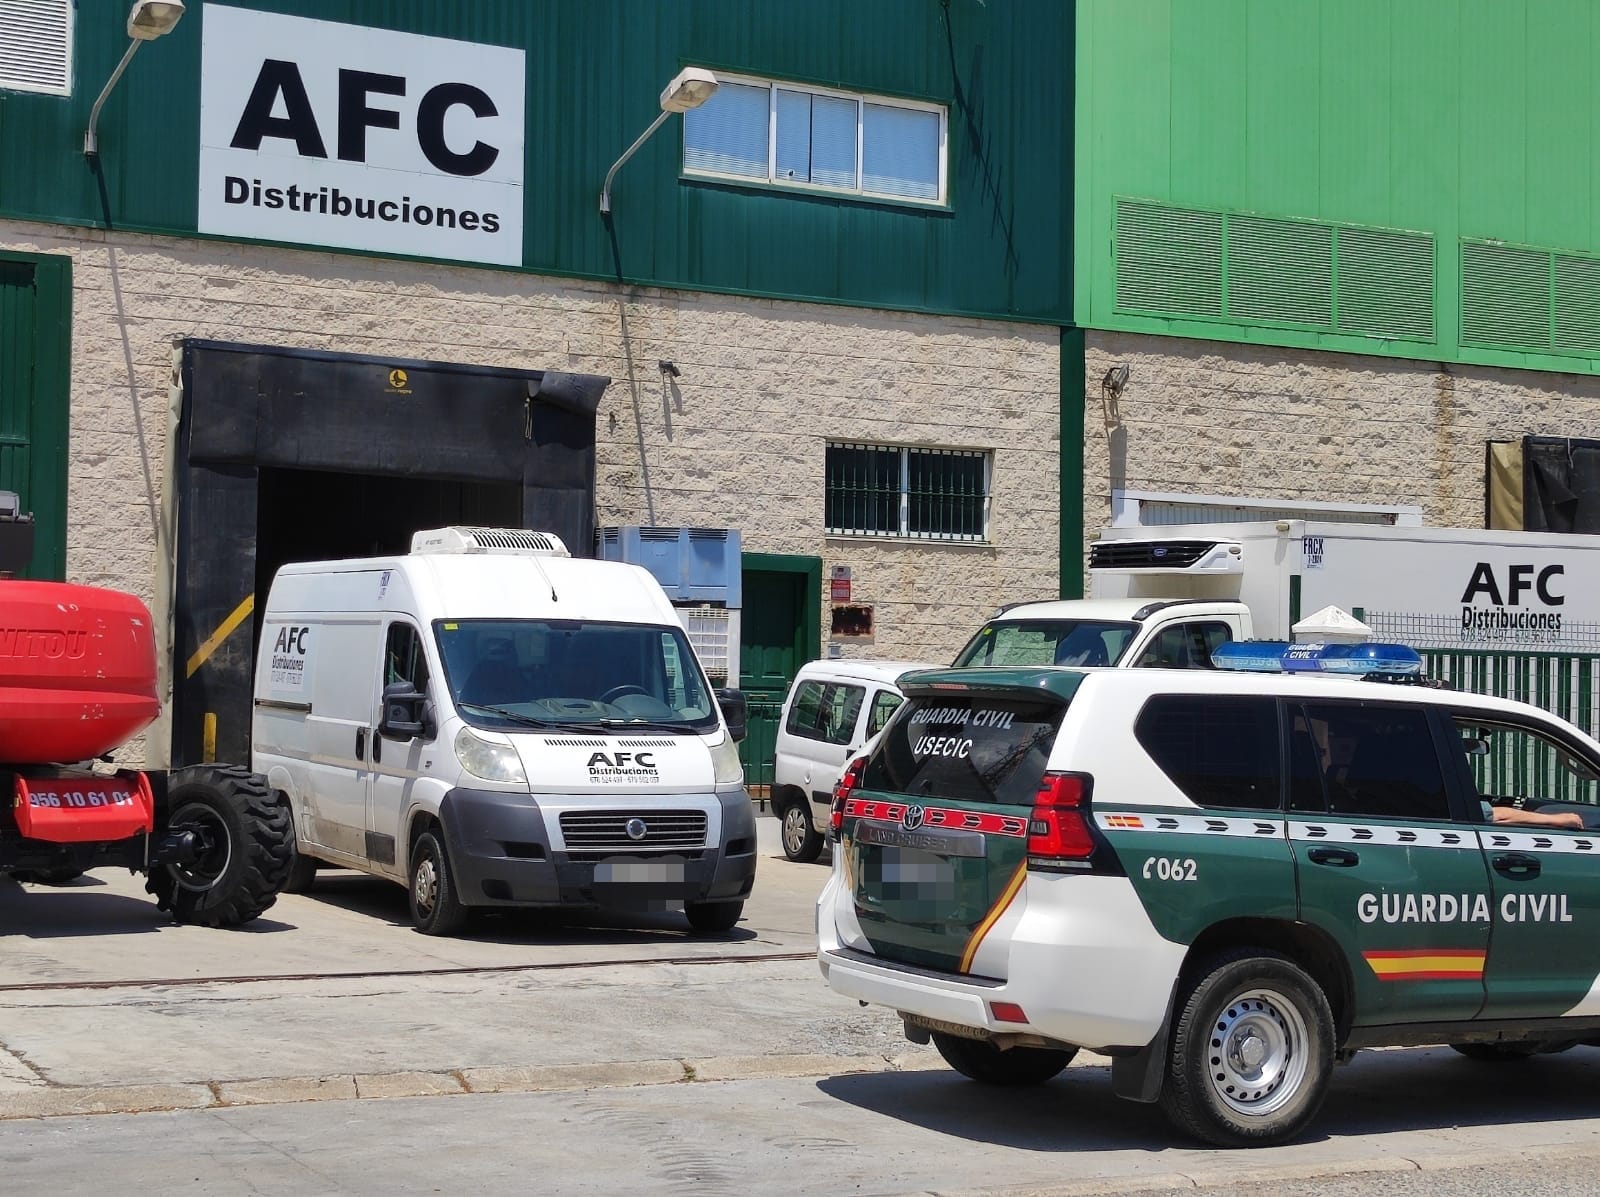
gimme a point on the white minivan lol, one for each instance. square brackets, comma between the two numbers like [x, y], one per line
[493, 723]
[833, 710]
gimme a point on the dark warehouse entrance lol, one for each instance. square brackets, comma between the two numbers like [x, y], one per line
[294, 455]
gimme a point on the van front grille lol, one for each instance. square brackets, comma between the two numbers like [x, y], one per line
[607, 830]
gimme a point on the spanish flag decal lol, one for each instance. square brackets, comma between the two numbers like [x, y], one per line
[1427, 964]
[1133, 821]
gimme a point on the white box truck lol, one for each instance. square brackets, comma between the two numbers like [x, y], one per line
[1515, 614]
[493, 723]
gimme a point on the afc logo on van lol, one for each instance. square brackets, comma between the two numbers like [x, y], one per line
[289, 659]
[623, 766]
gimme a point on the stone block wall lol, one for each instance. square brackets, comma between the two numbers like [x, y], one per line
[736, 438]
[1214, 418]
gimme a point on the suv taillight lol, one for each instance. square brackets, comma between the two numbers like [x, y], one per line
[841, 793]
[1058, 830]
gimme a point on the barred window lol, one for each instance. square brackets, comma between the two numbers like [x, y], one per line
[760, 131]
[930, 494]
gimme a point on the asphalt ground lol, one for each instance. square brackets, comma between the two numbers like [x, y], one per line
[330, 1048]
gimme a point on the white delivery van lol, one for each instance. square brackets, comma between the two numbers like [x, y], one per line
[491, 722]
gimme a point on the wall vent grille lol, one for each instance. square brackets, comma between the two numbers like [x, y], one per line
[1256, 269]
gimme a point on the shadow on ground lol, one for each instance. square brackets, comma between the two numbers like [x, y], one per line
[387, 901]
[1379, 1092]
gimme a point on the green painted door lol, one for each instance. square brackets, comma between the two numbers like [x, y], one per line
[780, 631]
[33, 401]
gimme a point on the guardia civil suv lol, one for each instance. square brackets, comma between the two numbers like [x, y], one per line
[1224, 881]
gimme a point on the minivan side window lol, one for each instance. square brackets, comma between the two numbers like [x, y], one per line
[403, 658]
[884, 704]
[1372, 759]
[825, 711]
[1220, 751]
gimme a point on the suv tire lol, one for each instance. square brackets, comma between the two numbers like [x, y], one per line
[980, 1060]
[1252, 1051]
[801, 841]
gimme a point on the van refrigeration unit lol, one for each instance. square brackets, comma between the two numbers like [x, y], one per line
[699, 568]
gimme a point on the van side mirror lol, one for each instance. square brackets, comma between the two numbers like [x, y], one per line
[402, 711]
[732, 704]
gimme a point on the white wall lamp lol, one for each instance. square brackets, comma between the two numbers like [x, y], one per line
[147, 20]
[690, 88]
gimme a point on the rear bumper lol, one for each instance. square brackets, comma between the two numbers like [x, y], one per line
[502, 854]
[1083, 962]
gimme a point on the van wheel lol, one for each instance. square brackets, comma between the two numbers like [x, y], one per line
[302, 875]
[1252, 1051]
[801, 841]
[982, 1061]
[243, 846]
[436, 908]
[710, 917]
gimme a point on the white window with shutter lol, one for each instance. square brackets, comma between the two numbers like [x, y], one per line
[788, 135]
[36, 46]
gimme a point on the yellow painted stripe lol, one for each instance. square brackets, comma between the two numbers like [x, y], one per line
[224, 630]
[1427, 964]
[993, 917]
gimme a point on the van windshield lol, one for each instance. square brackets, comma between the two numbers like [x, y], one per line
[1047, 642]
[512, 673]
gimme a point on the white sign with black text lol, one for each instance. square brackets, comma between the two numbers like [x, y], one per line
[322, 133]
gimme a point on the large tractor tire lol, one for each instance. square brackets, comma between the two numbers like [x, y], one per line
[246, 840]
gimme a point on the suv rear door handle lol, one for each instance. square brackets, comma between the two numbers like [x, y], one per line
[1341, 858]
[1516, 864]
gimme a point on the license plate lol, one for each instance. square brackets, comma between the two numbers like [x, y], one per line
[628, 872]
[907, 873]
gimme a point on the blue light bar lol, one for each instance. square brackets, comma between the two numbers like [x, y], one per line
[1279, 656]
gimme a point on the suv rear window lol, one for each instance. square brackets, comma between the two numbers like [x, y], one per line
[975, 749]
[1218, 751]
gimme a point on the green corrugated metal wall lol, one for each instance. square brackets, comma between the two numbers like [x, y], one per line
[595, 69]
[1463, 122]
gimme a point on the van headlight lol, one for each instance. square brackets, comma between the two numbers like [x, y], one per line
[490, 757]
[725, 762]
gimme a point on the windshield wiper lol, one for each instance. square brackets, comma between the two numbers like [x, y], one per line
[515, 717]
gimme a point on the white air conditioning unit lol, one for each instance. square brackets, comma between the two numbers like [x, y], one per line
[518, 542]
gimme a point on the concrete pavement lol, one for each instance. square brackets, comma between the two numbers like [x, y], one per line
[107, 1006]
[875, 1133]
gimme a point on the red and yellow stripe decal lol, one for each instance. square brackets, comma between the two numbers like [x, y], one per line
[1013, 887]
[939, 816]
[1427, 964]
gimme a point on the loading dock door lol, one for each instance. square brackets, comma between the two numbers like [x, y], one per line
[288, 455]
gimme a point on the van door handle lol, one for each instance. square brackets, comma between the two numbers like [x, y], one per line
[361, 743]
[377, 746]
[1516, 864]
[1339, 858]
